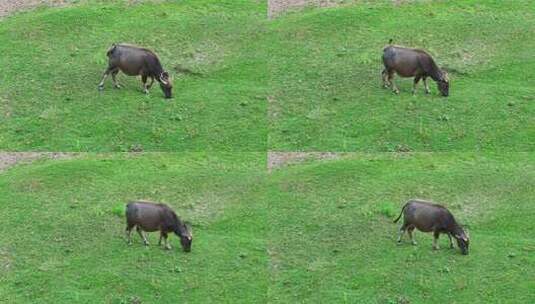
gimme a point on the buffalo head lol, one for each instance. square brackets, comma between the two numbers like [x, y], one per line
[165, 84]
[444, 84]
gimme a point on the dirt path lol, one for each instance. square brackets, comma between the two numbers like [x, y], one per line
[9, 6]
[280, 159]
[9, 159]
[276, 7]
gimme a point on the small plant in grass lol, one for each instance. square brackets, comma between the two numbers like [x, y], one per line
[387, 209]
[118, 210]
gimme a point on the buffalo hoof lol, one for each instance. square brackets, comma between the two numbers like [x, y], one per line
[117, 86]
[167, 247]
[396, 92]
[101, 87]
[414, 243]
[436, 248]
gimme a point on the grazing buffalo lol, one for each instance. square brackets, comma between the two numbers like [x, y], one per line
[415, 63]
[148, 216]
[429, 217]
[133, 60]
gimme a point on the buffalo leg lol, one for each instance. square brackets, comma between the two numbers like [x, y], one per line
[104, 76]
[384, 75]
[427, 91]
[145, 86]
[151, 82]
[166, 241]
[167, 246]
[142, 236]
[401, 232]
[416, 80]
[435, 240]
[113, 76]
[410, 230]
[129, 233]
[392, 83]
[451, 241]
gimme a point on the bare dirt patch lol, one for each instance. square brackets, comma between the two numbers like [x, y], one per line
[281, 159]
[5, 260]
[273, 107]
[9, 159]
[277, 7]
[8, 7]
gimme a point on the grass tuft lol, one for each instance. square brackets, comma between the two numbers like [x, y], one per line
[119, 210]
[388, 210]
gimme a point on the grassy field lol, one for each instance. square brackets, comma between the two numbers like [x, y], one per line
[332, 239]
[316, 232]
[63, 233]
[326, 89]
[53, 59]
[305, 81]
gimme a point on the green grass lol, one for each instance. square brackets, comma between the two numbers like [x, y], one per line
[325, 75]
[332, 239]
[53, 59]
[306, 81]
[316, 232]
[312, 232]
[63, 231]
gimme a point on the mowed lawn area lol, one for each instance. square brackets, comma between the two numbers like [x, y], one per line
[325, 75]
[332, 239]
[63, 230]
[314, 232]
[53, 58]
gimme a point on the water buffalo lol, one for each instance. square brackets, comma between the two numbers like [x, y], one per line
[148, 216]
[427, 217]
[133, 60]
[415, 63]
